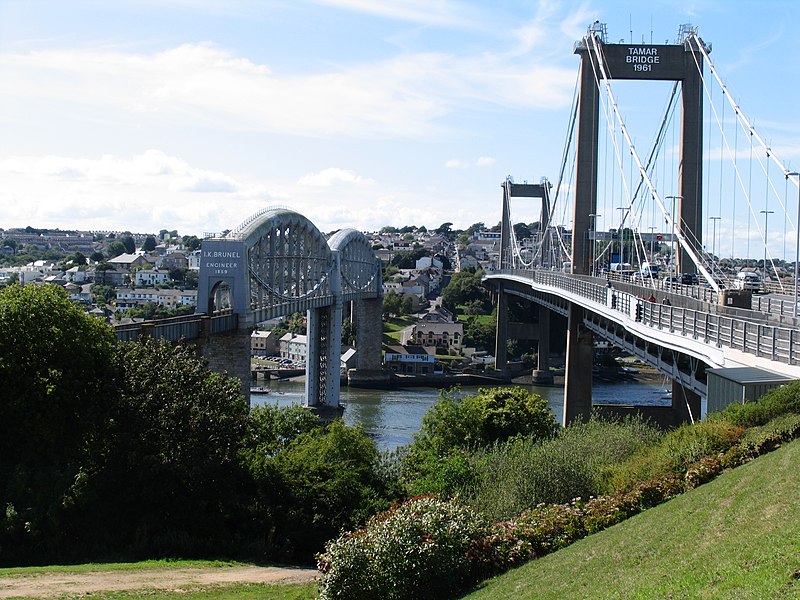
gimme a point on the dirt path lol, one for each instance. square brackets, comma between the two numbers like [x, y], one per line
[48, 585]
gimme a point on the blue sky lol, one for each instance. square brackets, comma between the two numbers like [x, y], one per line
[192, 115]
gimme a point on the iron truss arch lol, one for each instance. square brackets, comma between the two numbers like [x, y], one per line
[360, 269]
[289, 263]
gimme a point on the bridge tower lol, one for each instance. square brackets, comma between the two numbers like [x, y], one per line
[523, 190]
[671, 62]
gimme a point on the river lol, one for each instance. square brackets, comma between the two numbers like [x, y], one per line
[393, 416]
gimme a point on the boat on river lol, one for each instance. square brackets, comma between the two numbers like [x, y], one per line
[259, 389]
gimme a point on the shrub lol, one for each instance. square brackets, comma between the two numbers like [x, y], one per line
[554, 471]
[494, 414]
[674, 454]
[415, 550]
[780, 401]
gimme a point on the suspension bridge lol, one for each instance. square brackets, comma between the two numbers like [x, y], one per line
[653, 281]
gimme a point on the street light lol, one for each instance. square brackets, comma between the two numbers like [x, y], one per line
[619, 234]
[714, 237]
[766, 214]
[796, 239]
[592, 234]
[672, 235]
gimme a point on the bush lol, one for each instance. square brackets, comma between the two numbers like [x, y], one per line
[415, 550]
[326, 480]
[553, 471]
[493, 414]
[780, 401]
[674, 454]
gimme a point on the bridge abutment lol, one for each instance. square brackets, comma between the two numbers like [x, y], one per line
[542, 372]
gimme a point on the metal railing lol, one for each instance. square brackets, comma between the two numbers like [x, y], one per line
[773, 342]
[188, 327]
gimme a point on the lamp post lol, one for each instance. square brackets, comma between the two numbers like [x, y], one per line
[592, 234]
[796, 240]
[672, 235]
[766, 214]
[714, 237]
[619, 234]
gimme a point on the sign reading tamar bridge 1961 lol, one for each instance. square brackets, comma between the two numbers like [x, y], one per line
[646, 61]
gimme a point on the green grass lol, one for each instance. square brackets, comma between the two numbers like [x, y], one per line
[735, 537]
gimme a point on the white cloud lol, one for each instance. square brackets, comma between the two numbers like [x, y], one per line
[333, 176]
[202, 84]
[483, 161]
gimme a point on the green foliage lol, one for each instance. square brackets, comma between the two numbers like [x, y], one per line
[149, 244]
[479, 334]
[555, 470]
[416, 550]
[56, 373]
[170, 456]
[326, 480]
[392, 304]
[677, 450]
[493, 414]
[437, 459]
[465, 287]
[776, 402]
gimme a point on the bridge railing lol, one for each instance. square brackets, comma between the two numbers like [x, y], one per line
[175, 328]
[774, 342]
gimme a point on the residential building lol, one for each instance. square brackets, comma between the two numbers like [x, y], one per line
[151, 277]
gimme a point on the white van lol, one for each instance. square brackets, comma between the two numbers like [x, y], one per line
[747, 280]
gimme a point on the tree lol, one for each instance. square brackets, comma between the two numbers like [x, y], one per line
[115, 248]
[128, 244]
[56, 369]
[392, 304]
[328, 482]
[492, 415]
[466, 287]
[97, 256]
[149, 244]
[191, 243]
[168, 474]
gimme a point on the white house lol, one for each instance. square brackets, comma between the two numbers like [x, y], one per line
[151, 277]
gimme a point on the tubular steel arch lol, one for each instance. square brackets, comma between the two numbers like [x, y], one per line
[289, 264]
[360, 269]
[276, 263]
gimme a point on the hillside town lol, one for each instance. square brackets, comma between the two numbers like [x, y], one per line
[125, 277]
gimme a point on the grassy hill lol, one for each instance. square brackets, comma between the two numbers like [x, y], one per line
[735, 537]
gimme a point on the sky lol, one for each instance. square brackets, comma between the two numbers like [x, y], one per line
[194, 114]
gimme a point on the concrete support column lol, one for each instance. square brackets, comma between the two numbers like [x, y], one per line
[542, 372]
[369, 335]
[229, 353]
[543, 354]
[690, 170]
[578, 384]
[369, 341]
[685, 404]
[586, 166]
[501, 331]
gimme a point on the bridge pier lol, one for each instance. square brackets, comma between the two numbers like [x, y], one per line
[501, 332]
[542, 372]
[324, 338]
[578, 382]
[228, 352]
[369, 339]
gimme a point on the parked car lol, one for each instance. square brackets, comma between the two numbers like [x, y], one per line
[689, 278]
